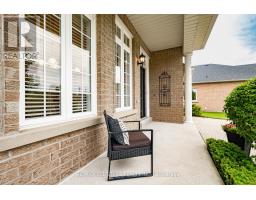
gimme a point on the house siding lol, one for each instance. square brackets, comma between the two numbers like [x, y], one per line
[169, 60]
[211, 96]
[51, 160]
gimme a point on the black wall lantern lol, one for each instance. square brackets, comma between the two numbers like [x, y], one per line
[141, 60]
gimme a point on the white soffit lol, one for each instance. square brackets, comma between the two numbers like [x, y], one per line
[197, 29]
[159, 31]
[168, 31]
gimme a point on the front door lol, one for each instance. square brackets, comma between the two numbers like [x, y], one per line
[142, 92]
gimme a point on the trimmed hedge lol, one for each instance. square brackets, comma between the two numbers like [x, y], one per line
[196, 110]
[233, 165]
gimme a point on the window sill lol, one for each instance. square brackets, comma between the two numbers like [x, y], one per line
[32, 135]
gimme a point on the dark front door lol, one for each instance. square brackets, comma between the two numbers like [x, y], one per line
[142, 92]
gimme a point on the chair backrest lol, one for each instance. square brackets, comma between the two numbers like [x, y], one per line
[106, 120]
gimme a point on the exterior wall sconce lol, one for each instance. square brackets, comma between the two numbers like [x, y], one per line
[141, 60]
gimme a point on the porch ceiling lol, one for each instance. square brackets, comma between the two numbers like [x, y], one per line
[173, 30]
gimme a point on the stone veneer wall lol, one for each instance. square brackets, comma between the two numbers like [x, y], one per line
[169, 60]
[51, 160]
[1, 81]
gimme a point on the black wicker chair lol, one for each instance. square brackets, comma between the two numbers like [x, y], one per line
[140, 145]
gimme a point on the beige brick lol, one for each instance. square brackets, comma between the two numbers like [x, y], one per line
[69, 156]
[55, 172]
[11, 63]
[45, 168]
[43, 180]
[12, 85]
[8, 176]
[11, 129]
[66, 173]
[46, 150]
[11, 73]
[4, 155]
[33, 165]
[15, 162]
[11, 96]
[60, 153]
[11, 107]
[69, 141]
[22, 180]
[66, 166]
[54, 180]
[11, 119]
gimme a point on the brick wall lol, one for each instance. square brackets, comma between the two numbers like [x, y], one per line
[211, 96]
[105, 62]
[169, 60]
[1, 81]
[51, 160]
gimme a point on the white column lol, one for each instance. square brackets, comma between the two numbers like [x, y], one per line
[188, 89]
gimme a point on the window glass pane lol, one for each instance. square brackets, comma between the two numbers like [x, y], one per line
[126, 40]
[77, 102]
[76, 21]
[86, 45]
[81, 63]
[86, 102]
[118, 32]
[194, 97]
[86, 26]
[126, 79]
[43, 74]
[118, 76]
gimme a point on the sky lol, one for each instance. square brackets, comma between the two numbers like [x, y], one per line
[231, 42]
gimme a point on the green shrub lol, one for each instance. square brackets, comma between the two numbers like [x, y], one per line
[232, 163]
[196, 110]
[240, 107]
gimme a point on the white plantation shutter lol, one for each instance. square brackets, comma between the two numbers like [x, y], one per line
[43, 74]
[81, 64]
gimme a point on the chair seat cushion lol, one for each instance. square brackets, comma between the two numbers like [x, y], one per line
[136, 139]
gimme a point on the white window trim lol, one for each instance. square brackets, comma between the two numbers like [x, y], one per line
[195, 100]
[120, 41]
[66, 79]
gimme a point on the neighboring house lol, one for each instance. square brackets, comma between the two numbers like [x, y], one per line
[51, 105]
[212, 83]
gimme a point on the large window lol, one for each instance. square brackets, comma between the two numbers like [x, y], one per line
[123, 78]
[43, 73]
[60, 82]
[81, 65]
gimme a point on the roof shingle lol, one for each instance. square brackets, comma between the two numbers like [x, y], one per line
[221, 73]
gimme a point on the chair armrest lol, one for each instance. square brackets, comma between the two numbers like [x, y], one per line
[132, 121]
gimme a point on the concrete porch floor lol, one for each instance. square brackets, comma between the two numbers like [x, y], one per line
[180, 157]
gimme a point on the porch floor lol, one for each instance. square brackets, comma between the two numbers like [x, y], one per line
[180, 157]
